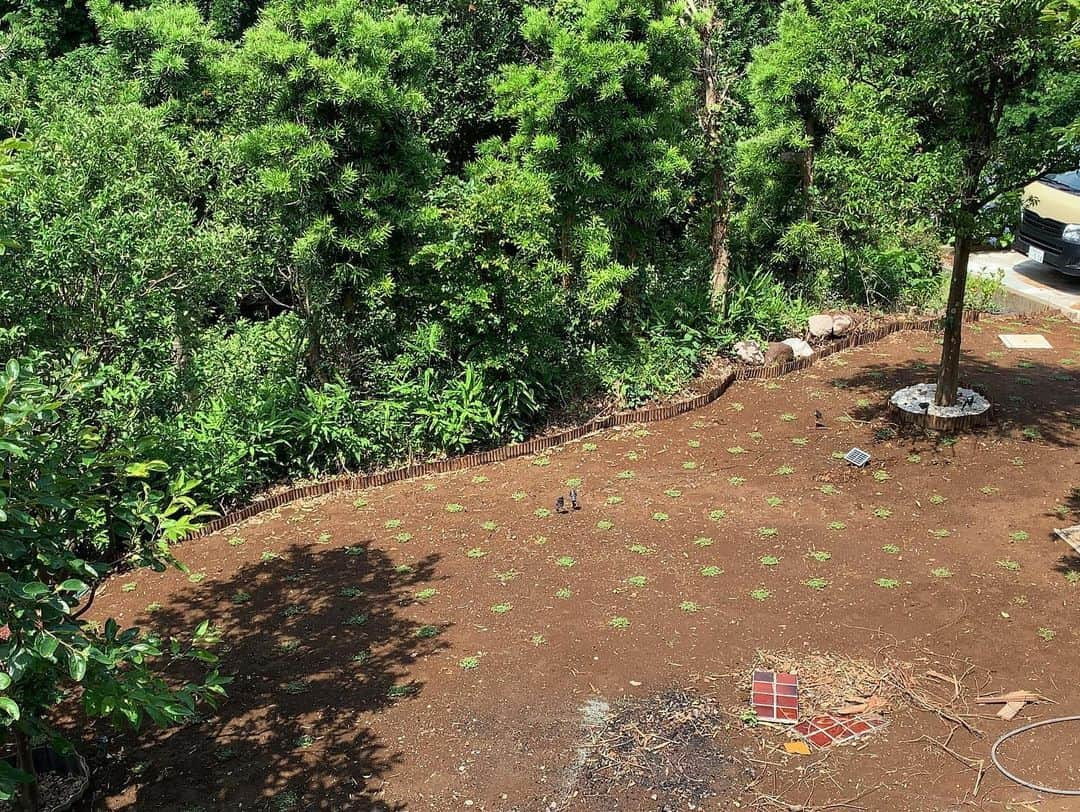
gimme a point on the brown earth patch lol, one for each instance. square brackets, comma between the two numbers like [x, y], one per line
[374, 671]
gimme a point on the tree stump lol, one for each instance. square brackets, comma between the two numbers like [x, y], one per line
[914, 406]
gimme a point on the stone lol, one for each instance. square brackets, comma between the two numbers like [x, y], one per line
[749, 352]
[778, 353]
[799, 348]
[821, 325]
[842, 324]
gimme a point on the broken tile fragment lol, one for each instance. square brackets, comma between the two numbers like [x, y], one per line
[826, 730]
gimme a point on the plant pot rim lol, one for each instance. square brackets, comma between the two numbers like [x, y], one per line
[75, 766]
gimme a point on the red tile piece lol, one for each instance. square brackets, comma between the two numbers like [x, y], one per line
[822, 731]
[775, 697]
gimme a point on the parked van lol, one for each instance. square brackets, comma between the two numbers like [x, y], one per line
[1050, 222]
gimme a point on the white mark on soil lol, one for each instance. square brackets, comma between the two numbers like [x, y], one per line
[594, 714]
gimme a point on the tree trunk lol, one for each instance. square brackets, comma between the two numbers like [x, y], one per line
[808, 168]
[29, 797]
[714, 100]
[949, 372]
[718, 240]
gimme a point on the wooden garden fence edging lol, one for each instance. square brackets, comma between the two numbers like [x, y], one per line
[357, 482]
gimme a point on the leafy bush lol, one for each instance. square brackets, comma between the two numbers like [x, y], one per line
[70, 494]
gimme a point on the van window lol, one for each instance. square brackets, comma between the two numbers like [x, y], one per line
[1070, 181]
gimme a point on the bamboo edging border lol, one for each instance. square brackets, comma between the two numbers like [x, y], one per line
[358, 482]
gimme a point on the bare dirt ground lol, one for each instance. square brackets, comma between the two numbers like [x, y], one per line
[452, 643]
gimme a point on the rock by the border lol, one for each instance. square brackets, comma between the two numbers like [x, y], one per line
[778, 353]
[799, 348]
[842, 324]
[821, 325]
[749, 352]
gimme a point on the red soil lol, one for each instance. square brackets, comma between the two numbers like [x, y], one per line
[309, 719]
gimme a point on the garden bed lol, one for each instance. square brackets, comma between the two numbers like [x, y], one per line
[441, 641]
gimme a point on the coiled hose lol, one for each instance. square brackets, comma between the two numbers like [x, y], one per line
[1024, 729]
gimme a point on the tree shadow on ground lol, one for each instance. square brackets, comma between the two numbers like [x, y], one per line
[1036, 402]
[315, 641]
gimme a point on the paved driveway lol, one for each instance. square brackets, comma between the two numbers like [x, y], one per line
[1029, 285]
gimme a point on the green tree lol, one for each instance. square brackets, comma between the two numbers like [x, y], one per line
[68, 494]
[607, 112]
[1064, 15]
[9, 169]
[988, 88]
[910, 118]
[318, 158]
[473, 38]
[728, 30]
[836, 190]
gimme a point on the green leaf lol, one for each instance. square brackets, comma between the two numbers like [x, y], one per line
[76, 666]
[73, 585]
[12, 449]
[35, 589]
[10, 707]
[46, 645]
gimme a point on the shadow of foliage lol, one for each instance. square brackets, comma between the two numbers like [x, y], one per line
[315, 640]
